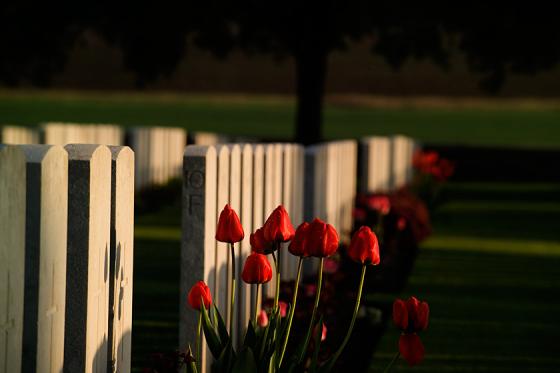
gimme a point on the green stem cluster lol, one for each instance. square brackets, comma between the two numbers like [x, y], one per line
[315, 306]
[292, 311]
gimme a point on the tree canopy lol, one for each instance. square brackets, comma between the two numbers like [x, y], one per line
[496, 38]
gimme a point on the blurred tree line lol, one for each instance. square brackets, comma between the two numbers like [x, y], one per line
[496, 38]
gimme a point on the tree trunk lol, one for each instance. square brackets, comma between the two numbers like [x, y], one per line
[311, 73]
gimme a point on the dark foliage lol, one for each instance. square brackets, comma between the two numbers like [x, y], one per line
[496, 37]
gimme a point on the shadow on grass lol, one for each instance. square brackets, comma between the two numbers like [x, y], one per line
[494, 299]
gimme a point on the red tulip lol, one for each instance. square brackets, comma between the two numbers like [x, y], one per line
[411, 348]
[283, 307]
[257, 269]
[200, 291]
[262, 319]
[379, 203]
[322, 239]
[364, 247]
[259, 244]
[418, 314]
[400, 314]
[229, 227]
[411, 316]
[278, 227]
[298, 246]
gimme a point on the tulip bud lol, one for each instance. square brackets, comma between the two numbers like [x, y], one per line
[278, 227]
[298, 245]
[259, 244]
[283, 307]
[411, 348]
[322, 239]
[323, 331]
[257, 269]
[364, 247]
[199, 291]
[400, 314]
[229, 227]
[262, 319]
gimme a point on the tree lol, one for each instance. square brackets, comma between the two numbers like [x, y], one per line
[496, 38]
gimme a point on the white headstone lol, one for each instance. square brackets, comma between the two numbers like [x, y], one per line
[198, 249]
[12, 252]
[87, 281]
[122, 257]
[45, 258]
[222, 249]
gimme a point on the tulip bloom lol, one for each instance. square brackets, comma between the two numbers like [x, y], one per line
[322, 239]
[229, 227]
[278, 227]
[283, 307]
[411, 348]
[379, 203]
[198, 292]
[257, 269]
[364, 247]
[411, 317]
[262, 319]
[298, 245]
[259, 244]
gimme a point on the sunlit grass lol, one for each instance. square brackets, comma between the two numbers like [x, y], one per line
[272, 117]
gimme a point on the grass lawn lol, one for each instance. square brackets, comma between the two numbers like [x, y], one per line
[506, 124]
[490, 274]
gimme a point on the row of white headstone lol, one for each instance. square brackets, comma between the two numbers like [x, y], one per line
[254, 179]
[159, 149]
[66, 254]
[318, 181]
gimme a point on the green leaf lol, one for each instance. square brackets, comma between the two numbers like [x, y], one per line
[222, 329]
[225, 360]
[250, 336]
[212, 338]
[190, 361]
[245, 362]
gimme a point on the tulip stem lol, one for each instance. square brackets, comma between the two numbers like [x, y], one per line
[356, 308]
[315, 306]
[388, 368]
[232, 290]
[292, 311]
[257, 304]
[199, 339]
[278, 264]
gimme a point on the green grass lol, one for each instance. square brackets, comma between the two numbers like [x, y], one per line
[272, 118]
[490, 274]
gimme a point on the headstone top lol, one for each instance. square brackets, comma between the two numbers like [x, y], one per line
[85, 152]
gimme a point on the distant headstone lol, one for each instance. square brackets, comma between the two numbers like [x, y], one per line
[18, 135]
[87, 280]
[376, 160]
[12, 254]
